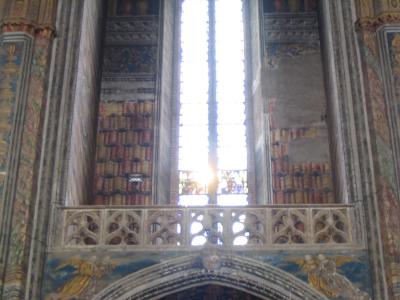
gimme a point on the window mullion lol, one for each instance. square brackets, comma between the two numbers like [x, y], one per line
[212, 105]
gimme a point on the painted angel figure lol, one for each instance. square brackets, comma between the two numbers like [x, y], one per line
[86, 274]
[323, 276]
[312, 268]
[337, 283]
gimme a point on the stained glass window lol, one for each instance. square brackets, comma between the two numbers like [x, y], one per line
[212, 133]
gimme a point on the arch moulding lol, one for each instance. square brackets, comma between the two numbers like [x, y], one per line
[241, 273]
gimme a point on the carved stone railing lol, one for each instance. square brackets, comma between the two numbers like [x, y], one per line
[187, 227]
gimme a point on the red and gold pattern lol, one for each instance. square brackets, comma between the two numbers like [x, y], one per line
[124, 147]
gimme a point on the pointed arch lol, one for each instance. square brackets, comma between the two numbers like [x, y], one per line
[241, 273]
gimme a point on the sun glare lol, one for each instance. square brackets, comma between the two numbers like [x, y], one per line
[197, 128]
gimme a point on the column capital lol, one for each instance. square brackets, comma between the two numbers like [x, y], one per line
[27, 26]
[32, 17]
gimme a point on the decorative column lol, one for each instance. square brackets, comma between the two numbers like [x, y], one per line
[379, 35]
[26, 36]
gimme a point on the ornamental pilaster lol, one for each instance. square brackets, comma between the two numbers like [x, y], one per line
[26, 34]
[378, 27]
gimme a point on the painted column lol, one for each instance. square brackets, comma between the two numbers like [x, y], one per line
[380, 45]
[25, 40]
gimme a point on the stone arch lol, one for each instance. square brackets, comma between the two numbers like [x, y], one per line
[238, 272]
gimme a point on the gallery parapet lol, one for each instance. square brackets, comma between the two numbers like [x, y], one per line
[174, 228]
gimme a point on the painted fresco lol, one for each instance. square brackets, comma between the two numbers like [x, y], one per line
[340, 276]
[124, 147]
[30, 140]
[387, 180]
[297, 105]
[276, 52]
[80, 276]
[394, 44]
[30, 147]
[384, 158]
[10, 64]
[130, 59]
[305, 181]
[11, 60]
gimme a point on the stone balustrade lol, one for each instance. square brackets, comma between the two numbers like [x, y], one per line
[256, 227]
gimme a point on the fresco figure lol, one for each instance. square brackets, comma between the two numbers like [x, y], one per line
[337, 283]
[86, 274]
[323, 276]
[311, 267]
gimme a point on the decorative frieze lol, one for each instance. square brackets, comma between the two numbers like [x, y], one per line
[132, 30]
[290, 35]
[129, 59]
[291, 27]
[130, 54]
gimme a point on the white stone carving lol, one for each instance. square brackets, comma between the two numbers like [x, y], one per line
[123, 227]
[330, 226]
[245, 227]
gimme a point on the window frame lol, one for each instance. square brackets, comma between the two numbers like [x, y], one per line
[174, 187]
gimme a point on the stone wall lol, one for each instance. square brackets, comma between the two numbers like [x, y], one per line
[258, 113]
[297, 105]
[167, 113]
[84, 121]
[125, 135]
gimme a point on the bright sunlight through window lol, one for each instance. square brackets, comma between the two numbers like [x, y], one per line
[212, 133]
